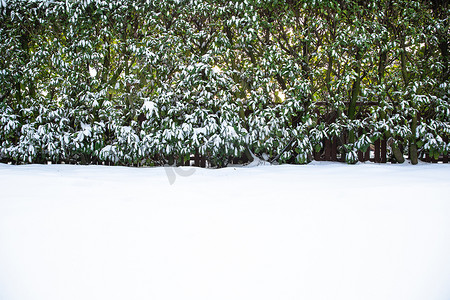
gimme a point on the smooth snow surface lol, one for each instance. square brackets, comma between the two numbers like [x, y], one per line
[320, 231]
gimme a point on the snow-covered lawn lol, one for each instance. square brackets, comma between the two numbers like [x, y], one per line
[320, 231]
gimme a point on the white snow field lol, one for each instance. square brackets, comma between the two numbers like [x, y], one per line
[318, 231]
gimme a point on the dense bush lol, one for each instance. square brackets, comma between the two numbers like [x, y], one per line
[152, 82]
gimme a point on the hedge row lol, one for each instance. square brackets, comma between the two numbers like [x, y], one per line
[152, 82]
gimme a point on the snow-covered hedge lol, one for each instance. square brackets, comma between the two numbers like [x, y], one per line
[153, 82]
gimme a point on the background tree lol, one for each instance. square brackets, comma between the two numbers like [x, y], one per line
[153, 82]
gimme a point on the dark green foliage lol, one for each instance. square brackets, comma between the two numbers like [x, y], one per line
[152, 82]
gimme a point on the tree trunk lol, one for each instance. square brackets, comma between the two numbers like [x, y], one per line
[356, 88]
[412, 142]
[398, 155]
